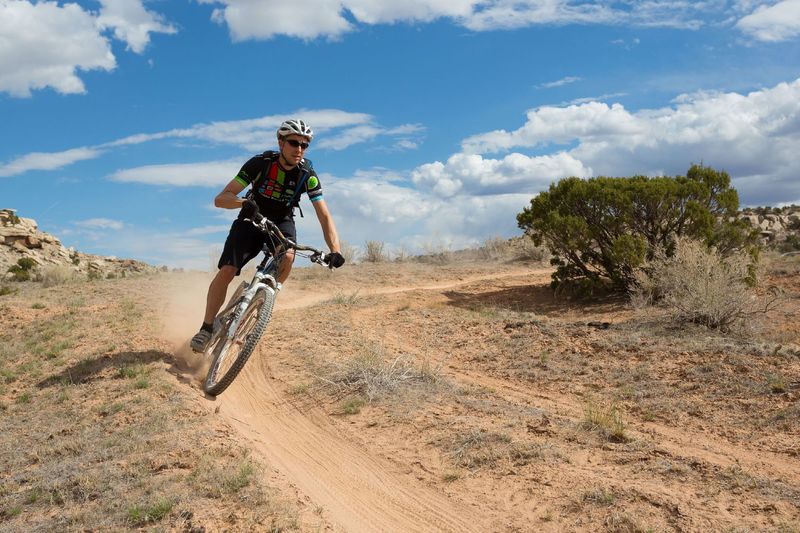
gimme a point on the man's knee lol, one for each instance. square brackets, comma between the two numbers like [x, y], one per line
[226, 274]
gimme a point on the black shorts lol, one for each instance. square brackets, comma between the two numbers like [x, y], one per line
[245, 241]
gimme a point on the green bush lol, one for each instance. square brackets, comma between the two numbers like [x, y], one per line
[23, 269]
[602, 230]
[26, 263]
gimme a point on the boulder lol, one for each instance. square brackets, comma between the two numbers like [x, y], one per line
[32, 241]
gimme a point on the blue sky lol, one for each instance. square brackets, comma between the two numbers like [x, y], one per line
[436, 122]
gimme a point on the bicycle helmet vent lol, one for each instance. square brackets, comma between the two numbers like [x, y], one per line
[295, 127]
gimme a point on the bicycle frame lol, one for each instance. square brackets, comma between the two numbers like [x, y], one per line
[266, 275]
[264, 278]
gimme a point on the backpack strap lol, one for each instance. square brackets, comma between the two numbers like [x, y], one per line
[305, 172]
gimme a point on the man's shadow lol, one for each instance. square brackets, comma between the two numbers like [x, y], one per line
[90, 369]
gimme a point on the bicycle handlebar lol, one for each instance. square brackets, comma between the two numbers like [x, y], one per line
[269, 227]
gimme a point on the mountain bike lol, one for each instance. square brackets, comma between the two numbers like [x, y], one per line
[240, 324]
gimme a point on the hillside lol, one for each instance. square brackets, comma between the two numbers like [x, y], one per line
[20, 238]
[456, 396]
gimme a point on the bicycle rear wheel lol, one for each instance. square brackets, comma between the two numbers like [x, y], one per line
[230, 355]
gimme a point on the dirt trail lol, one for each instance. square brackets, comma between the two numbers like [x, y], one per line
[292, 299]
[359, 491]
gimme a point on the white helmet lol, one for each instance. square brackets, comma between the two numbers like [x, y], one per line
[295, 127]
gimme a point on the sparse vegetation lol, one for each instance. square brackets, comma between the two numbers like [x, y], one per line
[475, 389]
[352, 406]
[143, 514]
[345, 298]
[697, 284]
[605, 420]
[374, 252]
[23, 270]
[368, 374]
[481, 448]
[52, 275]
[349, 252]
[599, 496]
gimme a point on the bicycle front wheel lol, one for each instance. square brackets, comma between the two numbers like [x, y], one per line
[230, 355]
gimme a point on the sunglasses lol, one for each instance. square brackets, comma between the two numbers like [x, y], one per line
[295, 144]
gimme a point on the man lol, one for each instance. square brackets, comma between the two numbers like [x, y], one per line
[277, 180]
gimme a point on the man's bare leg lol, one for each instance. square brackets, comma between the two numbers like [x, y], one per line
[286, 266]
[217, 291]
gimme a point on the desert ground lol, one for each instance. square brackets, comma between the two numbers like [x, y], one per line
[454, 395]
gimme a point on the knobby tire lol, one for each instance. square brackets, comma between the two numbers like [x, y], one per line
[261, 305]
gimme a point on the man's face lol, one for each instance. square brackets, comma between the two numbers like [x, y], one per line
[292, 148]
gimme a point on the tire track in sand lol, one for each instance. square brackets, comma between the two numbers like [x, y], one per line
[359, 491]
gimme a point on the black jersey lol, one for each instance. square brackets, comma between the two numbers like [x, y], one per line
[277, 191]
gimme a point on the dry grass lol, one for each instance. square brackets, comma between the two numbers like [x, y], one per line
[374, 252]
[480, 448]
[504, 425]
[701, 286]
[104, 440]
[52, 275]
[372, 374]
[606, 420]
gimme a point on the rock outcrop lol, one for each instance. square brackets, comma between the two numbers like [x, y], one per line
[777, 226]
[21, 238]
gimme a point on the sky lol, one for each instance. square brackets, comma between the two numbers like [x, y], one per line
[435, 122]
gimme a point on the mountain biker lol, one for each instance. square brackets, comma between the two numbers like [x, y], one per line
[276, 181]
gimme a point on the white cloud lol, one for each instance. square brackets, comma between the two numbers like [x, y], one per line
[560, 125]
[305, 19]
[100, 223]
[208, 230]
[755, 137]
[400, 215]
[778, 22]
[47, 160]
[559, 83]
[207, 174]
[44, 45]
[473, 175]
[332, 18]
[334, 129]
[587, 99]
[131, 22]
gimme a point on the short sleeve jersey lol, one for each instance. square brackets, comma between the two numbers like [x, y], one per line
[275, 190]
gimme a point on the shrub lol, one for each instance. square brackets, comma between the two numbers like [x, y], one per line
[436, 253]
[26, 263]
[790, 244]
[697, 284]
[494, 248]
[604, 229]
[374, 252]
[349, 252]
[52, 275]
[23, 270]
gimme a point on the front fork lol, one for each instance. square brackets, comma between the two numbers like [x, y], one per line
[261, 280]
